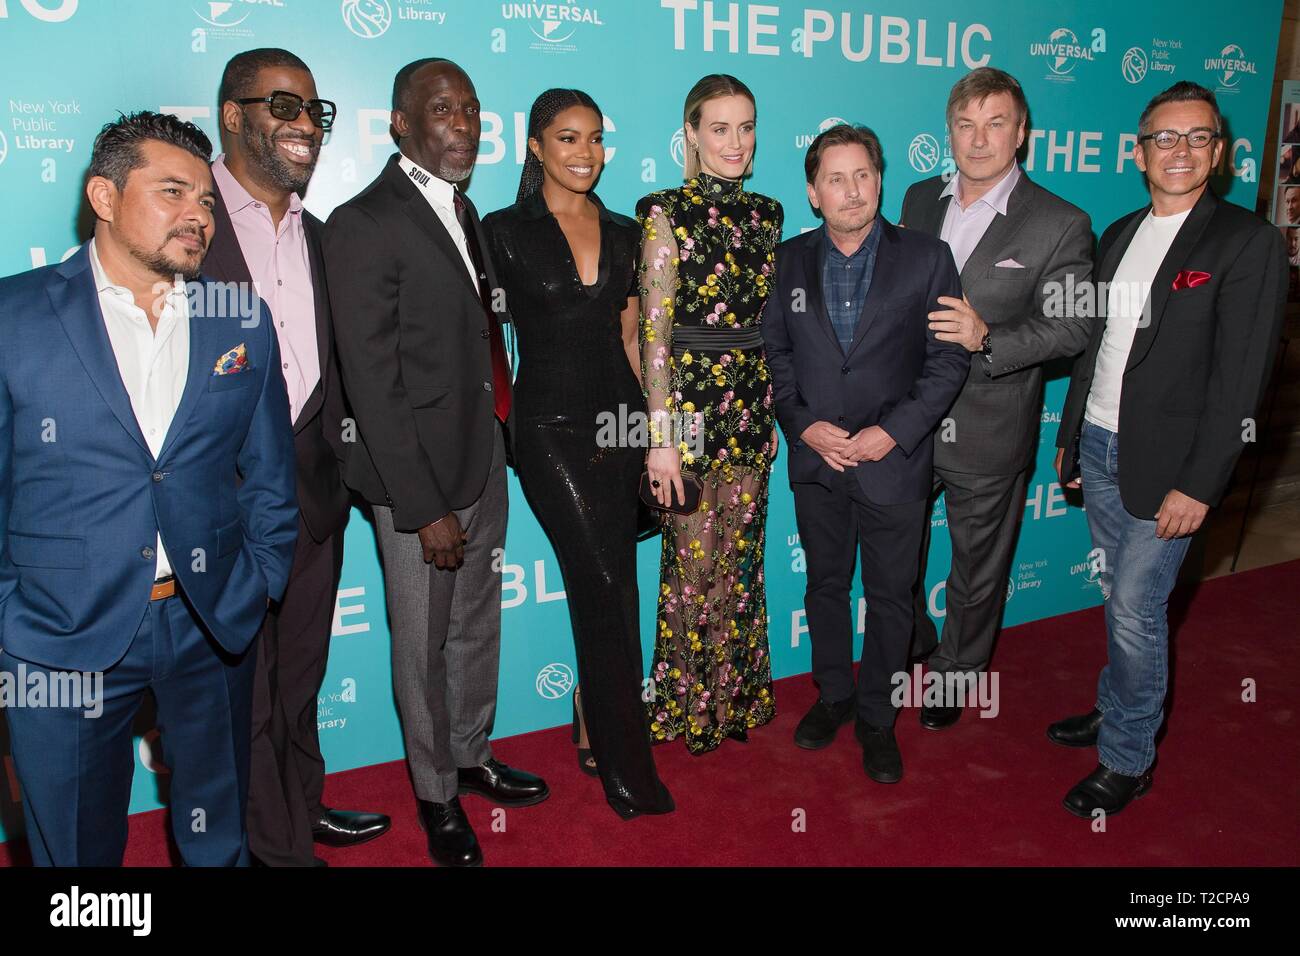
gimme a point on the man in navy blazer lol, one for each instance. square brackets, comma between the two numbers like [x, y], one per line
[147, 499]
[860, 382]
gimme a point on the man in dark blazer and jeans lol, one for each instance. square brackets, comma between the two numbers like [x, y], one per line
[860, 381]
[264, 235]
[1194, 298]
[421, 350]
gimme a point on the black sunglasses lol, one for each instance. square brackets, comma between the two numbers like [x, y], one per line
[289, 106]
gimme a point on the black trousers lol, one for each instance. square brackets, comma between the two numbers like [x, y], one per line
[984, 514]
[288, 771]
[835, 524]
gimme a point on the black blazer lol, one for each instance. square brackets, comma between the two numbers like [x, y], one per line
[1199, 368]
[413, 347]
[998, 411]
[318, 443]
[896, 375]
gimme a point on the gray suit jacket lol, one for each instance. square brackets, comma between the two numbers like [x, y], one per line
[997, 413]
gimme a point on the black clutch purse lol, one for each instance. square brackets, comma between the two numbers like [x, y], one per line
[693, 487]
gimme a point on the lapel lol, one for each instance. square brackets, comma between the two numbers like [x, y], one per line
[1000, 231]
[225, 259]
[76, 304]
[418, 208]
[324, 340]
[1110, 260]
[1161, 286]
[929, 218]
[813, 258]
[206, 343]
[884, 269]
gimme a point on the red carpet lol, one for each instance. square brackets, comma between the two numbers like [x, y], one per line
[987, 791]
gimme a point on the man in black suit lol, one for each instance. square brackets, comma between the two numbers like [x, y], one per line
[422, 356]
[1194, 297]
[1014, 242]
[272, 125]
[860, 381]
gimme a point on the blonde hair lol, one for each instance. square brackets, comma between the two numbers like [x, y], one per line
[710, 87]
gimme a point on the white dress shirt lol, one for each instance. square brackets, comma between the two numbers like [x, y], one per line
[441, 196]
[153, 364]
[1126, 299]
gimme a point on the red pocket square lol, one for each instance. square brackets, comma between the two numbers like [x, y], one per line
[1190, 279]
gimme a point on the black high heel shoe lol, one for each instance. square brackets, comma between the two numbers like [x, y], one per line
[586, 763]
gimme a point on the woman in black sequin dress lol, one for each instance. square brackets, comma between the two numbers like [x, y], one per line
[568, 268]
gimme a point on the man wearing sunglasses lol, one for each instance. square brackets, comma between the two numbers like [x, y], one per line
[272, 127]
[1194, 290]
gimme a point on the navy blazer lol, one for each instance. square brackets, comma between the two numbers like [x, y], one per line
[82, 499]
[896, 374]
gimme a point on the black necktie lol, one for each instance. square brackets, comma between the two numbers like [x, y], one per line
[500, 370]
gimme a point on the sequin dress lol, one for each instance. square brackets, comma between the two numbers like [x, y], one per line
[707, 261]
[573, 374]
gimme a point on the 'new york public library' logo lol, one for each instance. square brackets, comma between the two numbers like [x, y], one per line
[923, 153]
[554, 681]
[1134, 65]
[367, 18]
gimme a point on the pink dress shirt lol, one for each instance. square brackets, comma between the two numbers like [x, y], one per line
[280, 267]
[964, 228]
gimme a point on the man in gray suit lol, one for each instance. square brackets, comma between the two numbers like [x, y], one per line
[1016, 245]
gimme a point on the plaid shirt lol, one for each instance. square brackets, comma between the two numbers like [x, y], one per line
[845, 282]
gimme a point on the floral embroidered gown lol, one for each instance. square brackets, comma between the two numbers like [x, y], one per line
[707, 261]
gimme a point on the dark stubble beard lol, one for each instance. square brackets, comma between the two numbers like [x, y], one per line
[275, 170]
[165, 266]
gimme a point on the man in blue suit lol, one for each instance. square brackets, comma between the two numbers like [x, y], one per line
[147, 503]
[860, 383]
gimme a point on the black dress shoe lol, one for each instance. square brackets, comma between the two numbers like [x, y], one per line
[451, 839]
[1076, 731]
[503, 785]
[347, 827]
[937, 718]
[880, 756]
[822, 722]
[1106, 790]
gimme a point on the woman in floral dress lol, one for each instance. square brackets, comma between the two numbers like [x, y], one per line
[707, 259]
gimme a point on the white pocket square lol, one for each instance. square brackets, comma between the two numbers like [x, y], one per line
[1008, 264]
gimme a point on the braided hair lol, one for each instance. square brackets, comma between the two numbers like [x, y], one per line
[546, 107]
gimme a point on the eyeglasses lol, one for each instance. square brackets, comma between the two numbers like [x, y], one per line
[289, 106]
[1197, 138]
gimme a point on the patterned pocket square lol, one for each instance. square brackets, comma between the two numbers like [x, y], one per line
[236, 360]
[1007, 264]
[1190, 279]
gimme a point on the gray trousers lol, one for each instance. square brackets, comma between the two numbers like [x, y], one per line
[446, 629]
[984, 513]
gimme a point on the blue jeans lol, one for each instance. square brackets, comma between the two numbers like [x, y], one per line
[1138, 571]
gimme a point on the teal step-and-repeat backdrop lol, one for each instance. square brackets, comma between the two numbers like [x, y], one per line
[1087, 68]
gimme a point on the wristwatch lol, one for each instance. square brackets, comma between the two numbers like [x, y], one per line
[986, 347]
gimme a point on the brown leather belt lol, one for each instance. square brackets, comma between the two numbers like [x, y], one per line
[163, 588]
